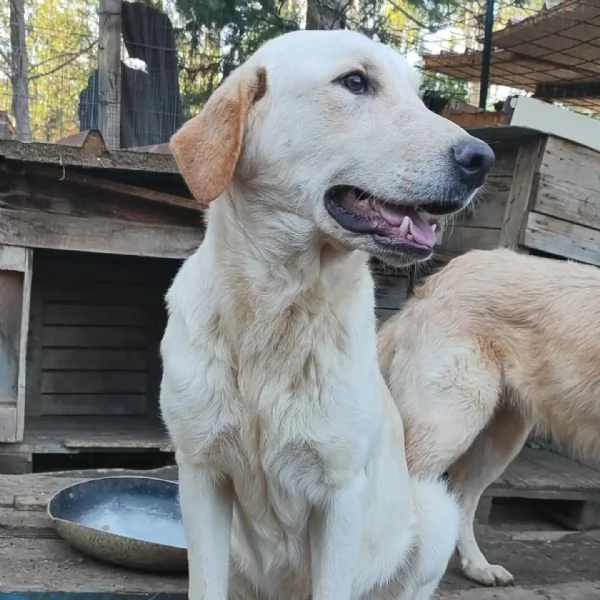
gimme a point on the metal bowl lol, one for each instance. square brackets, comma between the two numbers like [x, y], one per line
[134, 522]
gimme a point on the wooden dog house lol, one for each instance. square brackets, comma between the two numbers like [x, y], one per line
[89, 242]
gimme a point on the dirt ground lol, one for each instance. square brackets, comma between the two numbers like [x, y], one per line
[536, 558]
[547, 565]
[547, 561]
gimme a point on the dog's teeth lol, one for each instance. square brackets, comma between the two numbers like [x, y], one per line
[433, 226]
[404, 226]
[409, 237]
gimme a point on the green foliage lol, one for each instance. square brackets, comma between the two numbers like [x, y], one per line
[220, 34]
[444, 85]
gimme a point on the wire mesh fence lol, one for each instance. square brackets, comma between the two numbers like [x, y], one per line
[60, 43]
[173, 53]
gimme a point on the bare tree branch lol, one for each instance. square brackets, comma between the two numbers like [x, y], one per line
[5, 57]
[55, 57]
[72, 58]
[410, 17]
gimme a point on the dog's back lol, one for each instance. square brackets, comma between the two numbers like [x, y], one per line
[494, 321]
[492, 346]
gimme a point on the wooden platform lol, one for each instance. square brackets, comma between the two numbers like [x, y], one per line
[570, 488]
[80, 434]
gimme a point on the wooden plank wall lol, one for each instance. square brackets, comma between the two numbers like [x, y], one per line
[96, 325]
[479, 226]
[50, 207]
[565, 216]
[391, 290]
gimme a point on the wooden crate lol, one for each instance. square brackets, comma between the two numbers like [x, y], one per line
[543, 195]
[563, 209]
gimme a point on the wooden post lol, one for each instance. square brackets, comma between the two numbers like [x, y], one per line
[109, 72]
[15, 283]
[521, 191]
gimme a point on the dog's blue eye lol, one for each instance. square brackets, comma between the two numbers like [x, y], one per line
[355, 83]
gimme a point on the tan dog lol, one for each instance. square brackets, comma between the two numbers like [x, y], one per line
[493, 345]
[291, 459]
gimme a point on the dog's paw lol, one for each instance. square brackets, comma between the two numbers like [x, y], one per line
[491, 575]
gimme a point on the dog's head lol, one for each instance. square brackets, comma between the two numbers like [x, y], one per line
[330, 125]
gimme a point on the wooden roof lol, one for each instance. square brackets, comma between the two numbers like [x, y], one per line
[88, 149]
[555, 53]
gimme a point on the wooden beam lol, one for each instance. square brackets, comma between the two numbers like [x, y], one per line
[117, 187]
[109, 72]
[45, 190]
[521, 192]
[33, 383]
[569, 162]
[14, 323]
[107, 236]
[23, 344]
[64, 156]
[563, 91]
[481, 119]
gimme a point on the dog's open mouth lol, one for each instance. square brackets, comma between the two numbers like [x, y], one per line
[389, 224]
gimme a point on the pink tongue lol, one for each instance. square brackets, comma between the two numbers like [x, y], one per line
[421, 231]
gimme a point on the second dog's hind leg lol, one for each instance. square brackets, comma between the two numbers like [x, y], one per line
[479, 467]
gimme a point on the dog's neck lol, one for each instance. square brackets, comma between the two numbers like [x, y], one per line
[275, 252]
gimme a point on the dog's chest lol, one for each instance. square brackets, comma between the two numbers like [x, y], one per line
[292, 420]
[280, 406]
[291, 435]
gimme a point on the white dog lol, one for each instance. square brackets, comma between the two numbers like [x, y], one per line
[291, 459]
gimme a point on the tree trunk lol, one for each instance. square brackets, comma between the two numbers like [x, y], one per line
[19, 69]
[326, 14]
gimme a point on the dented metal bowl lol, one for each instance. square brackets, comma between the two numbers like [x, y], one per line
[133, 522]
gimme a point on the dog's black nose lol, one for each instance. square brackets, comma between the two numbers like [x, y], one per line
[474, 160]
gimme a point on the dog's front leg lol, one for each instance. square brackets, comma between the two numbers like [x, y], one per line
[336, 532]
[206, 508]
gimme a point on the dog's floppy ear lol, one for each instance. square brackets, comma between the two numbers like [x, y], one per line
[207, 147]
